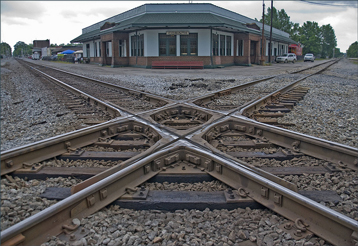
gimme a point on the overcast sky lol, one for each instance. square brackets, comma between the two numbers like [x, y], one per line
[62, 21]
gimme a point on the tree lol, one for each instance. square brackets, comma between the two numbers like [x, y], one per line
[20, 48]
[338, 53]
[5, 49]
[353, 50]
[310, 37]
[329, 41]
[281, 21]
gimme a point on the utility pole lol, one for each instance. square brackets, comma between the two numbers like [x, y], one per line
[270, 45]
[262, 61]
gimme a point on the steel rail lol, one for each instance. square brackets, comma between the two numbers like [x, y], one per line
[274, 197]
[249, 109]
[342, 155]
[227, 91]
[13, 159]
[90, 99]
[39, 227]
[152, 97]
[316, 65]
[332, 226]
[233, 89]
[324, 222]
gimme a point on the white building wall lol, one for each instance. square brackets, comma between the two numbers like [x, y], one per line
[84, 49]
[204, 42]
[151, 46]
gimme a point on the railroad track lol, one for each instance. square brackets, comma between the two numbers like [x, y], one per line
[193, 141]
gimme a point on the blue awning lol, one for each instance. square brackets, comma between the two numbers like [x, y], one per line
[67, 52]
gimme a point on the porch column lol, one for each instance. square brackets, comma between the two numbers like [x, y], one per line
[257, 57]
[115, 52]
[247, 48]
[103, 53]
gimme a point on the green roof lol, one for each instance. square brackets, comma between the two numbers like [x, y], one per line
[180, 20]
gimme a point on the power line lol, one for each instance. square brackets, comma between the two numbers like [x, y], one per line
[353, 4]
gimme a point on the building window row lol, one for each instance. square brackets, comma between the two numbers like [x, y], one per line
[221, 45]
[137, 45]
[240, 47]
[167, 45]
[188, 45]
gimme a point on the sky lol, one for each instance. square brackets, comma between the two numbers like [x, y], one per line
[62, 21]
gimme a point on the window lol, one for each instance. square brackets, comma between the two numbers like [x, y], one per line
[240, 48]
[189, 45]
[134, 45]
[141, 45]
[167, 45]
[95, 50]
[215, 45]
[137, 45]
[222, 45]
[122, 48]
[109, 49]
[88, 50]
[228, 45]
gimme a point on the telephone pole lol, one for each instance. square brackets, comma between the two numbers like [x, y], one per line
[270, 45]
[262, 61]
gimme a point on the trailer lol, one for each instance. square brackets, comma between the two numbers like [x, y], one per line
[36, 56]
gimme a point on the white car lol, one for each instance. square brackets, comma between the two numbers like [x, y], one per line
[309, 57]
[289, 57]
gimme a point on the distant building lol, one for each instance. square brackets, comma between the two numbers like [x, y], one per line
[40, 48]
[41, 43]
[179, 32]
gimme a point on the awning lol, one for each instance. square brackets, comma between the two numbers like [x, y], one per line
[67, 52]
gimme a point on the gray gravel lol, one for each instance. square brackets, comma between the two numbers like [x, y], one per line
[119, 226]
[330, 108]
[20, 198]
[29, 110]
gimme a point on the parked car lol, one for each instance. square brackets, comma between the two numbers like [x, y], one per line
[309, 57]
[289, 57]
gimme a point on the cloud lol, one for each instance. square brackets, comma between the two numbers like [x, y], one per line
[69, 14]
[21, 10]
[105, 12]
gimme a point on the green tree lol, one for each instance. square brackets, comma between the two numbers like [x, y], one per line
[21, 48]
[5, 49]
[337, 53]
[310, 37]
[353, 50]
[329, 41]
[281, 21]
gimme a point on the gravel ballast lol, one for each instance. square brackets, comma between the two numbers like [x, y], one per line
[28, 114]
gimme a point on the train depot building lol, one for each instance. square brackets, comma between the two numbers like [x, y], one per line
[199, 32]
